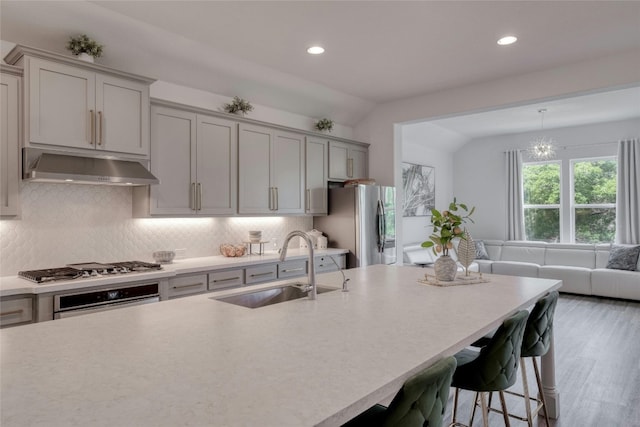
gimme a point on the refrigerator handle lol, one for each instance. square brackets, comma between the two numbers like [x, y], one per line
[380, 220]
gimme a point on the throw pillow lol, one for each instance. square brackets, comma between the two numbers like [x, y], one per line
[623, 257]
[481, 250]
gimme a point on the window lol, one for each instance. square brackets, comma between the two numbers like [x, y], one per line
[594, 200]
[542, 201]
[588, 215]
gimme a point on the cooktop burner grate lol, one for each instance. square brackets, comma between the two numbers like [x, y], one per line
[50, 274]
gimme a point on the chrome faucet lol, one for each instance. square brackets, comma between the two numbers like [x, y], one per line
[311, 286]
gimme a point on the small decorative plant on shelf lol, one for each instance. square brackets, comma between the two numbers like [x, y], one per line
[238, 105]
[324, 125]
[446, 228]
[84, 45]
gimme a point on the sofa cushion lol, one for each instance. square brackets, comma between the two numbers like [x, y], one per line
[623, 257]
[515, 268]
[578, 255]
[574, 279]
[616, 283]
[481, 251]
[602, 254]
[494, 248]
[530, 252]
[416, 254]
[484, 265]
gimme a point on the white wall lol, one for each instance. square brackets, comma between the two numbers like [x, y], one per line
[378, 127]
[479, 177]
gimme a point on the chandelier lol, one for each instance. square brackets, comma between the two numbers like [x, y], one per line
[542, 148]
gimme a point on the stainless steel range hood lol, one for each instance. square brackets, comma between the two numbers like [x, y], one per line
[51, 166]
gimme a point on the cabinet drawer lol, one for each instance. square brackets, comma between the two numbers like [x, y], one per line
[226, 279]
[14, 311]
[187, 285]
[261, 273]
[292, 268]
[324, 264]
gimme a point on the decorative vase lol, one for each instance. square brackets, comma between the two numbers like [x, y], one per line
[445, 268]
[85, 57]
[466, 252]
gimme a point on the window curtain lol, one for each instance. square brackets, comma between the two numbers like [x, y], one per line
[628, 195]
[515, 209]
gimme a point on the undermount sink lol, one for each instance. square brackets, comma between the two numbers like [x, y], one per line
[270, 296]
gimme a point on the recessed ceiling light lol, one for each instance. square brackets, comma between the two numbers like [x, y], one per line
[507, 40]
[315, 50]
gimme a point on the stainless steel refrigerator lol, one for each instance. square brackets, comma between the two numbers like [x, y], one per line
[362, 219]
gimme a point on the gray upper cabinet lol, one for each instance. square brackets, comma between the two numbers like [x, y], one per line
[83, 107]
[9, 140]
[271, 171]
[195, 158]
[317, 168]
[347, 161]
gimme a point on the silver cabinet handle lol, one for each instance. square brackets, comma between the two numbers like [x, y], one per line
[192, 285]
[291, 270]
[350, 168]
[199, 197]
[269, 273]
[276, 199]
[226, 280]
[92, 120]
[99, 127]
[270, 198]
[11, 313]
[192, 198]
[308, 199]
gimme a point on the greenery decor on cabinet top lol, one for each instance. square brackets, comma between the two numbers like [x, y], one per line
[324, 125]
[83, 44]
[446, 226]
[238, 105]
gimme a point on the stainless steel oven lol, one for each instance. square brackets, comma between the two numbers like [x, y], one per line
[85, 302]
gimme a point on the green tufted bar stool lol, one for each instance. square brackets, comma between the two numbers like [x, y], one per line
[535, 343]
[493, 367]
[421, 402]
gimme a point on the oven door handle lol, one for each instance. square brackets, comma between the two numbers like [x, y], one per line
[105, 307]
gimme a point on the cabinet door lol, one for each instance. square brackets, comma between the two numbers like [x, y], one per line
[122, 115]
[9, 144]
[338, 154]
[217, 170]
[358, 162]
[172, 154]
[316, 176]
[255, 192]
[61, 108]
[187, 285]
[287, 171]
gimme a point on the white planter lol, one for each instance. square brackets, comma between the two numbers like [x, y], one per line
[85, 57]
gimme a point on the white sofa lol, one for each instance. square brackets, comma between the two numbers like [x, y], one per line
[581, 267]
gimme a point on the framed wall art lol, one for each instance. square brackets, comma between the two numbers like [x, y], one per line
[419, 185]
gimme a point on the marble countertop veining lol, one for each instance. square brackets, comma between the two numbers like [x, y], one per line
[197, 361]
[14, 285]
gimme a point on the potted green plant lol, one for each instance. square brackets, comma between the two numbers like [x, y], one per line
[446, 228]
[324, 125]
[238, 105]
[85, 48]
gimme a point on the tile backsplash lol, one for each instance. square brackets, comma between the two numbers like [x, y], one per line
[69, 223]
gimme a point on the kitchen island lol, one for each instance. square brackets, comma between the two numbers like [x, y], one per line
[198, 361]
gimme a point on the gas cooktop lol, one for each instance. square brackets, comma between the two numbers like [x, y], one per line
[87, 270]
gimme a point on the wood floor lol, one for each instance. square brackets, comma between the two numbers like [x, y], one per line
[597, 366]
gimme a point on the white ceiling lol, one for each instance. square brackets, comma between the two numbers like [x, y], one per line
[376, 52]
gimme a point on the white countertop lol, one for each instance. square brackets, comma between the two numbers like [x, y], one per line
[14, 285]
[195, 361]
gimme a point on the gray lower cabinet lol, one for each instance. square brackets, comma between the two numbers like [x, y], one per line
[226, 279]
[261, 273]
[325, 263]
[187, 285]
[16, 310]
[293, 268]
